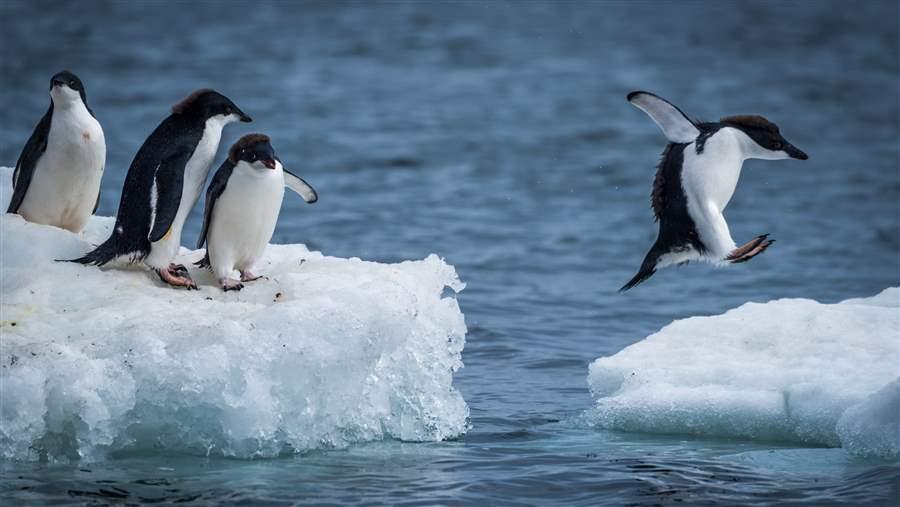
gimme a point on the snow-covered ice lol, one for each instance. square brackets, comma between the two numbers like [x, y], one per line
[325, 353]
[791, 370]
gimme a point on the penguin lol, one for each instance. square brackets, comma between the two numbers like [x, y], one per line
[242, 205]
[163, 184]
[696, 178]
[57, 177]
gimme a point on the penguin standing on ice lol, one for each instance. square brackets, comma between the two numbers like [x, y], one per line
[695, 180]
[163, 184]
[57, 178]
[242, 205]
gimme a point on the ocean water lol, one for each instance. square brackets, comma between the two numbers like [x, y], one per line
[497, 135]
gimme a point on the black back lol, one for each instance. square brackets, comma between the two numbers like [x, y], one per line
[160, 161]
[175, 138]
[677, 230]
[167, 150]
[676, 227]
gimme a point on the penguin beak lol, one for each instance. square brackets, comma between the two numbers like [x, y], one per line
[57, 82]
[244, 117]
[269, 163]
[792, 150]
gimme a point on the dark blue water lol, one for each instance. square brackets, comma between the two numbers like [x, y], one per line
[496, 134]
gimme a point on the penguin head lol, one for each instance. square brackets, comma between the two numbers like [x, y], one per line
[65, 88]
[767, 141]
[255, 150]
[207, 104]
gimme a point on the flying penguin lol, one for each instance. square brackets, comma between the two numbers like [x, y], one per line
[242, 206]
[57, 177]
[695, 180]
[163, 184]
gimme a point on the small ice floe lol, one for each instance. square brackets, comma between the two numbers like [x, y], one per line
[791, 370]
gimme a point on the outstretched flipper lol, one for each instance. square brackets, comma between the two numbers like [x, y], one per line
[676, 126]
[750, 249]
[297, 184]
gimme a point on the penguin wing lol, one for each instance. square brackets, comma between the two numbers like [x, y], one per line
[97, 202]
[216, 187]
[676, 126]
[296, 183]
[99, 193]
[167, 182]
[31, 153]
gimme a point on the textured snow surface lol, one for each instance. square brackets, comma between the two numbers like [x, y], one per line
[325, 353]
[791, 370]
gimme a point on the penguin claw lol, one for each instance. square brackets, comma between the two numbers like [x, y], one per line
[177, 275]
[743, 250]
[228, 285]
[247, 276]
[179, 270]
[759, 245]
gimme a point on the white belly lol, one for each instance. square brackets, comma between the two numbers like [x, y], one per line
[709, 180]
[713, 175]
[244, 219]
[66, 179]
[195, 172]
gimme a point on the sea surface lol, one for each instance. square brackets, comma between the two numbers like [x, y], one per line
[497, 135]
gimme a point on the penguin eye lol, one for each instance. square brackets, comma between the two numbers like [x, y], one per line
[777, 145]
[228, 110]
[72, 84]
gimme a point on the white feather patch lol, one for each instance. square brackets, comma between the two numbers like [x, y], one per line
[154, 197]
[674, 124]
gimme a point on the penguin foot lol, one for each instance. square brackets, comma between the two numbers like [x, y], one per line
[247, 276]
[229, 284]
[177, 275]
[179, 269]
[750, 249]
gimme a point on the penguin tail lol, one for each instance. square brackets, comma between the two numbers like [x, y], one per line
[107, 251]
[648, 267]
[642, 275]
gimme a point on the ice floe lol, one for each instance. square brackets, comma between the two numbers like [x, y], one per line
[790, 370]
[324, 353]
